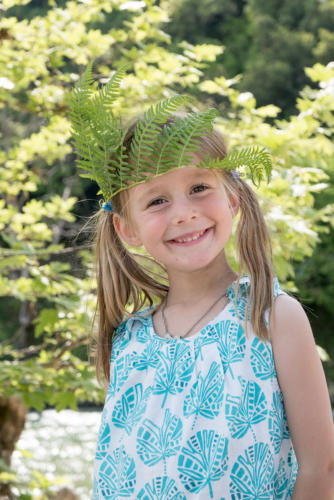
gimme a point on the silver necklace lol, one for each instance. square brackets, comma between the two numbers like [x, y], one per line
[167, 334]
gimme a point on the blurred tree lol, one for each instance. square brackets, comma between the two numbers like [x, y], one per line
[315, 275]
[287, 36]
[270, 42]
[216, 22]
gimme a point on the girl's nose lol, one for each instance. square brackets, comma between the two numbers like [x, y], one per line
[184, 212]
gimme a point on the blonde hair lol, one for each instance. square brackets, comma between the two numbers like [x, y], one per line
[121, 280]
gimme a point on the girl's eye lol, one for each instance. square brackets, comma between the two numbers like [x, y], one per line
[157, 201]
[199, 188]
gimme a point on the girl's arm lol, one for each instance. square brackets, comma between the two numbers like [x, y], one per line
[306, 400]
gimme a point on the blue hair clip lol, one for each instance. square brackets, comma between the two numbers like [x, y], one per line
[107, 205]
[235, 174]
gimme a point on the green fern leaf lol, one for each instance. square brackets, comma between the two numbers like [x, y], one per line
[256, 160]
[147, 131]
[97, 133]
[180, 140]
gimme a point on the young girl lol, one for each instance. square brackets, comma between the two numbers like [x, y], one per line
[217, 390]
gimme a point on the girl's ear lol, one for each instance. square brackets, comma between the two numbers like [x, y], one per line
[125, 231]
[234, 203]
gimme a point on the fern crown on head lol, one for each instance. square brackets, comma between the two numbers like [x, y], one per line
[98, 136]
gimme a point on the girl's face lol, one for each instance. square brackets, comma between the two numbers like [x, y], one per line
[182, 218]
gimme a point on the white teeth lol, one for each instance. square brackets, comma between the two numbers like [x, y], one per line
[193, 238]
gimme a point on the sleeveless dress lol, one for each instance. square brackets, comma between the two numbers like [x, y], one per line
[195, 418]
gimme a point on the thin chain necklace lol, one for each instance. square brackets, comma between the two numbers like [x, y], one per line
[166, 334]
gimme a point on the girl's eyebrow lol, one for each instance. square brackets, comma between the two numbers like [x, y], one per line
[151, 191]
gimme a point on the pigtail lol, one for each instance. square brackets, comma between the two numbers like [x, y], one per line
[120, 281]
[255, 256]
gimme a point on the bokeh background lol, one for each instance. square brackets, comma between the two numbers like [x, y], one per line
[266, 66]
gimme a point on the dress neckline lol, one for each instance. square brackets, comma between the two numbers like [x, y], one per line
[244, 283]
[145, 315]
[192, 337]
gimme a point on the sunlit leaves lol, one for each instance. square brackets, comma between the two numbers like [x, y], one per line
[320, 73]
[45, 321]
[203, 52]
[39, 382]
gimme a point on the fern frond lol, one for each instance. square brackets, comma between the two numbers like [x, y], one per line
[148, 130]
[256, 160]
[97, 133]
[199, 125]
[111, 90]
[180, 140]
[81, 95]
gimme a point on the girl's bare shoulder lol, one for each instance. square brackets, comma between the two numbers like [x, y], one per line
[288, 315]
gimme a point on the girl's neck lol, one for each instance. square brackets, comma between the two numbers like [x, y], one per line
[185, 288]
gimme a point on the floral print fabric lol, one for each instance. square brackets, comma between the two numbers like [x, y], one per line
[194, 418]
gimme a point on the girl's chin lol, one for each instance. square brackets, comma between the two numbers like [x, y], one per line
[193, 265]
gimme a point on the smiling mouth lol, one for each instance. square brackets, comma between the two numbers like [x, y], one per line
[189, 239]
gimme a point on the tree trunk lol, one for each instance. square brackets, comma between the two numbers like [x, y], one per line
[12, 421]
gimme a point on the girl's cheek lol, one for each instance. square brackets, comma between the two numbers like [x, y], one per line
[156, 218]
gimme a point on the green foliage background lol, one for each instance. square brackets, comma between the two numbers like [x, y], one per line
[246, 58]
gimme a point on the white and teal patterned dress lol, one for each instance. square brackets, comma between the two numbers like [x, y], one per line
[194, 418]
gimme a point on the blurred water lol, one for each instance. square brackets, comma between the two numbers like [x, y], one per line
[63, 444]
